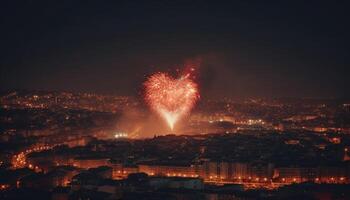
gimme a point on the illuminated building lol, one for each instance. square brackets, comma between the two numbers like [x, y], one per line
[87, 163]
[164, 170]
[296, 174]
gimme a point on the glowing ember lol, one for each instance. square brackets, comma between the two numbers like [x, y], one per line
[171, 98]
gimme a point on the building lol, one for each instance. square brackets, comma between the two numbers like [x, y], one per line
[176, 183]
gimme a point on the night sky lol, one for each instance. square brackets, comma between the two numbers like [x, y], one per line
[295, 49]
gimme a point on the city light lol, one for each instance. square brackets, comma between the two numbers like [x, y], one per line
[120, 135]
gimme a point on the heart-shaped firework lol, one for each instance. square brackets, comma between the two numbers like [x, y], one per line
[171, 98]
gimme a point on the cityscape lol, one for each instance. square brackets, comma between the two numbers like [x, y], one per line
[174, 100]
[74, 142]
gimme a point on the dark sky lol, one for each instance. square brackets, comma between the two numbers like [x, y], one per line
[289, 49]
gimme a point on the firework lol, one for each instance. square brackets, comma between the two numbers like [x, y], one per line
[171, 98]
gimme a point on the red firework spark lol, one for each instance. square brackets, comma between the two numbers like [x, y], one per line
[171, 98]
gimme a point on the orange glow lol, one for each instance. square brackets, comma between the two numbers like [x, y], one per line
[4, 187]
